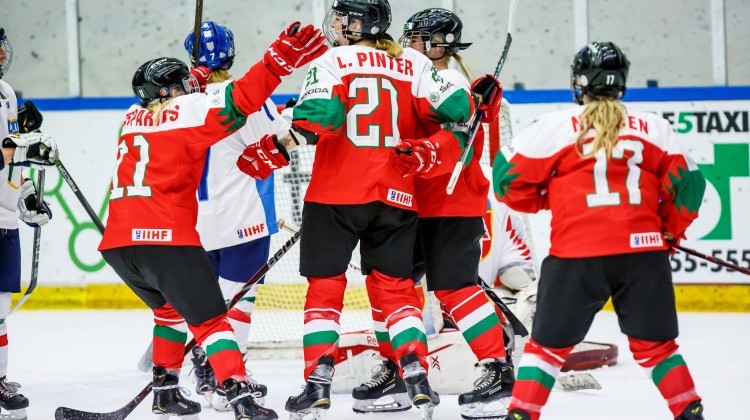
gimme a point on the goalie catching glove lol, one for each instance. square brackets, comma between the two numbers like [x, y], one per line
[37, 150]
[28, 204]
[261, 158]
[490, 93]
[414, 157]
[294, 48]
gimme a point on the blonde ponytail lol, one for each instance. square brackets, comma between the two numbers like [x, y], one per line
[390, 47]
[156, 107]
[464, 67]
[605, 116]
[219, 75]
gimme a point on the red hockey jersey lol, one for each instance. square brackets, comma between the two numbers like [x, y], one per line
[601, 206]
[469, 198]
[152, 200]
[362, 102]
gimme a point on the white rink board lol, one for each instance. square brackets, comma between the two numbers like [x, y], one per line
[87, 142]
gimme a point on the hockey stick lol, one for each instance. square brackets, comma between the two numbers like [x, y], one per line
[474, 127]
[65, 413]
[37, 246]
[196, 29]
[77, 191]
[712, 259]
[147, 360]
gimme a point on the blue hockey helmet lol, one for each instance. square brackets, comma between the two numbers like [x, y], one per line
[6, 53]
[216, 49]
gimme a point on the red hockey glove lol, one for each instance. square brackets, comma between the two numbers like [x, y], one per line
[261, 158]
[412, 157]
[490, 92]
[201, 74]
[294, 48]
[673, 242]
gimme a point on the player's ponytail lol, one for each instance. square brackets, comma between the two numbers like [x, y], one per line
[219, 75]
[605, 116]
[463, 66]
[156, 107]
[390, 47]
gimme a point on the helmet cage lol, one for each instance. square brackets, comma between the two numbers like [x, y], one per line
[5, 46]
[374, 19]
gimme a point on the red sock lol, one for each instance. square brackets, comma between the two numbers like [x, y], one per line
[217, 338]
[476, 318]
[381, 332]
[323, 305]
[668, 370]
[536, 376]
[170, 335]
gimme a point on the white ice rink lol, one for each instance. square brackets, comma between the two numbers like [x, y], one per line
[87, 360]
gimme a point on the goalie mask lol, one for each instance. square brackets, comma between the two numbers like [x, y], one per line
[364, 19]
[163, 78]
[600, 69]
[216, 49]
[6, 53]
[435, 28]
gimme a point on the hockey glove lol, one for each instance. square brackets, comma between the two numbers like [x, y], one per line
[29, 117]
[294, 48]
[201, 74]
[28, 204]
[32, 149]
[413, 157]
[490, 93]
[261, 158]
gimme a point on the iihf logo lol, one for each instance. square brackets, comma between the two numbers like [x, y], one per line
[239, 234]
[393, 196]
[637, 241]
[137, 234]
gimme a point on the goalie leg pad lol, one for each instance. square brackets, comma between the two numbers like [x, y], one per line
[476, 318]
[537, 372]
[400, 304]
[323, 305]
[666, 367]
[170, 335]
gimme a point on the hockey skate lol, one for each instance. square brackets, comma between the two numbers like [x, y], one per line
[219, 401]
[12, 401]
[205, 381]
[517, 414]
[694, 411]
[168, 398]
[417, 386]
[385, 383]
[240, 397]
[315, 399]
[491, 394]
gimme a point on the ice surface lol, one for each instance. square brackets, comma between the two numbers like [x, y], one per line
[87, 360]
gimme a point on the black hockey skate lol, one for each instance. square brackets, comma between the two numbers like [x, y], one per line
[168, 398]
[494, 386]
[417, 386]
[205, 381]
[517, 414]
[240, 396]
[12, 401]
[316, 397]
[694, 411]
[384, 383]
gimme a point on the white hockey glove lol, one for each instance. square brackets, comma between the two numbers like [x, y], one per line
[27, 206]
[37, 150]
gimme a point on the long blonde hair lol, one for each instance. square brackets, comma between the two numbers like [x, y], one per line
[391, 48]
[464, 66]
[219, 75]
[605, 116]
[156, 107]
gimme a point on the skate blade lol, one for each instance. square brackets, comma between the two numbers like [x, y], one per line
[388, 404]
[315, 413]
[14, 415]
[497, 409]
[427, 411]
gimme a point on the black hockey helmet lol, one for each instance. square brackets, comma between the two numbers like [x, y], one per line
[600, 69]
[437, 28]
[8, 50]
[373, 15]
[157, 78]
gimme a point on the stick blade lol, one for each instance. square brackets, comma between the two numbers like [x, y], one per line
[65, 413]
[577, 382]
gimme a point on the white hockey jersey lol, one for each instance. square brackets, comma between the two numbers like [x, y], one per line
[233, 208]
[11, 176]
[505, 243]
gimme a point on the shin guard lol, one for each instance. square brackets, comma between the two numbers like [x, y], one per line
[170, 335]
[217, 339]
[381, 332]
[323, 305]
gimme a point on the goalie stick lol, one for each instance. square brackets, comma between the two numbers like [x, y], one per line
[474, 127]
[65, 413]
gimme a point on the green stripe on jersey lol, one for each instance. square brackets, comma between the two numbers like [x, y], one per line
[329, 113]
[235, 119]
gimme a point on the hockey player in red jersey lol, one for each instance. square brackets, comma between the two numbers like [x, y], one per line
[358, 102]
[448, 249]
[151, 240]
[619, 186]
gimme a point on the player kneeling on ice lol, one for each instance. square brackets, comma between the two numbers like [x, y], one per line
[359, 101]
[151, 240]
[235, 211]
[450, 229]
[619, 186]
